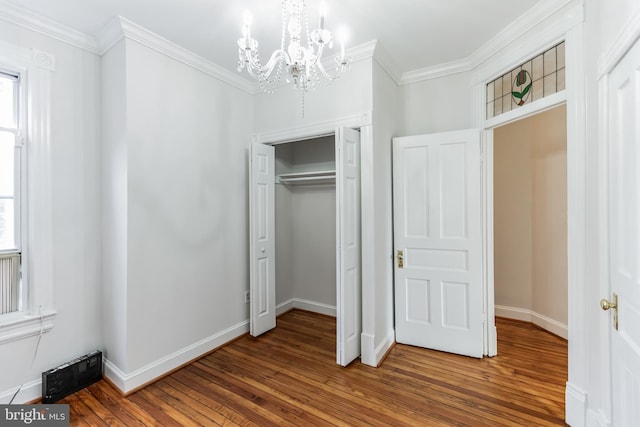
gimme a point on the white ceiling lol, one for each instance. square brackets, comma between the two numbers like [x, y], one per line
[416, 33]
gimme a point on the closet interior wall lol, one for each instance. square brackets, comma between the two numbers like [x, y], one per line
[305, 223]
[530, 219]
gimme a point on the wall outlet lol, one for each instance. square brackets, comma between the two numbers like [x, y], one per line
[246, 297]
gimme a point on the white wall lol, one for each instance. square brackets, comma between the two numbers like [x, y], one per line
[377, 213]
[349, 95]
[284, 244]
[512, 199]
[549, 215]
[186, 215]
[114, 204]
[314, 244]
[306, 226]
[530, 218]
[75, 186]
[437, 105]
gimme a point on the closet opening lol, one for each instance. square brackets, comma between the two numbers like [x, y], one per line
[305, 216]
[530, 220]
[305, 245]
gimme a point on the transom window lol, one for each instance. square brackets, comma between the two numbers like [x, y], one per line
[538, 77]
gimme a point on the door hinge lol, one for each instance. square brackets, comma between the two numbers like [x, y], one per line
[400, 258]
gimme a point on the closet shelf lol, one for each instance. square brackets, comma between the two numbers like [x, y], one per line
[307, 178]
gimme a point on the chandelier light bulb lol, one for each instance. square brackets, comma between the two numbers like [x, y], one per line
[300, 55]
[246, 26]
[322, 13]
[342, 34]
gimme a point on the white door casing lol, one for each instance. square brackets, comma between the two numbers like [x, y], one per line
[623, 234]
[262, 239]
[348, 251]
[437, 226]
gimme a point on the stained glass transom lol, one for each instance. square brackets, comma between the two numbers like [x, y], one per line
[541, 76]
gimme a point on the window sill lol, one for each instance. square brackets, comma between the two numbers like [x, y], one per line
[16, 326]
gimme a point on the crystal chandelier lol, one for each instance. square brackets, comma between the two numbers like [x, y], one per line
[298, 63]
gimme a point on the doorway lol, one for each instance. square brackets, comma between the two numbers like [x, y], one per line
[306, 163]
[530, 220]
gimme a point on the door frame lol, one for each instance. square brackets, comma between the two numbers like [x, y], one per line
[571, 30]
[362, 121]
[544, 104]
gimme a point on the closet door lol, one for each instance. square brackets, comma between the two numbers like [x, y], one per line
[262, 239]
[349, 312]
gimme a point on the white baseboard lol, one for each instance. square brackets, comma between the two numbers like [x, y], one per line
[127, 382]
[526, 315]
[575, 406]
[28, 393]
[384, 346]
[368, 350]
[513, 313]
[303, 304]
[553, 326]
[372, 355]
[284, 307]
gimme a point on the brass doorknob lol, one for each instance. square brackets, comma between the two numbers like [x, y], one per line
[606, 305]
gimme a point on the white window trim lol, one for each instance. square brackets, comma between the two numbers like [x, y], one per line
[35, 69]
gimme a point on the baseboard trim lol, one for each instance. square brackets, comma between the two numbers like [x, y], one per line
[537, 319]
[284, 307]
[129, 382]
[384, 348]
[368, 350]
[576, 405]
[306, 305]
[30, 392]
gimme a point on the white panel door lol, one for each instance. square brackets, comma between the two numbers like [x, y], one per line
[348, 298]
[623, 130]
[262, 239]
[437, 240]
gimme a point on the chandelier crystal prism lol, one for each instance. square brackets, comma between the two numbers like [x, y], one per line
[298, 61]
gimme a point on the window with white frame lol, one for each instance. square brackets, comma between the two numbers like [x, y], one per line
[26, 254]
[11, 180]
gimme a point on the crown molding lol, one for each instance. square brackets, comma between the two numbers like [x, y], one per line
[120, 27]
[521, 26]
[20, 16]
[362, 51]
[435, 71]
[110, 34]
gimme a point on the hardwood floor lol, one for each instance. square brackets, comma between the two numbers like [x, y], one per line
[289, 377]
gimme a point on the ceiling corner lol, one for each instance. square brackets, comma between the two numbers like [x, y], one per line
[384, 59]
[110, 34]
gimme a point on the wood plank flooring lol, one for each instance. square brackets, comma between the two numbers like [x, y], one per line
[289, 377]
